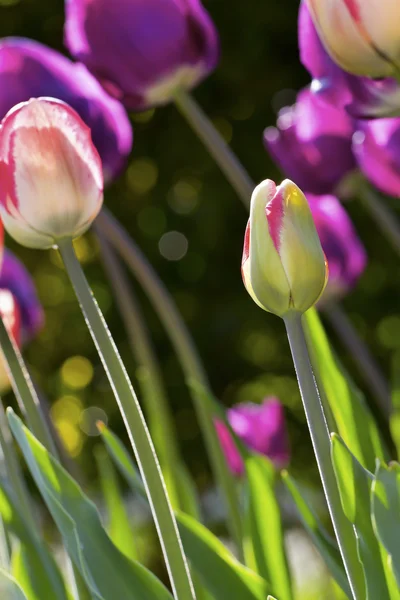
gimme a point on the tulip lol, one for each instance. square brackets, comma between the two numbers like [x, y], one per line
[16, 279]
[51, 183]
[10, 313]
[261, 427]
[312, 143]
[377, 150]
[362, 97]
[343, 248]
[362, 36]
[283, 266]
[30, 70]
[142, 51]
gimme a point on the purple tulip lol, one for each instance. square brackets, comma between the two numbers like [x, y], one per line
[312, 143]
[343, 248]
[261, 427]
[376, 147]
[142, 51]
[361, 96]
[16, 279]
[29, 69]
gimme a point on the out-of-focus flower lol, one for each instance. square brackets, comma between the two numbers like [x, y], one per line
[261, 427]
[51, 182]
[10, 313]
[283, 266]
[312, 143]
[30, 70]
[15, 278]
[142, 51]
[362, 37]
[376, 147]
[362, 97]
[343, 248]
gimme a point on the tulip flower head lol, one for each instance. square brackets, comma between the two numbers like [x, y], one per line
[283, 266]
[362, 36]
[342, 247]
[312, 143]
[51, 181]
[31, 70]
[142, 51]
[261, 427]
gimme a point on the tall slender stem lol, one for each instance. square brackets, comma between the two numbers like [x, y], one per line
[366, 363]
[229, 164]
[321, 444]
[189, 359]
[24, 389]
[136, 427]
[382, 214]
[150, 379]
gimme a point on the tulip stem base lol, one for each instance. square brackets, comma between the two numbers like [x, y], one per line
[385, 218]
[232, 168]
[24, 390]
[322, 448]
[136, 427]
[190, 361]
[366, 363]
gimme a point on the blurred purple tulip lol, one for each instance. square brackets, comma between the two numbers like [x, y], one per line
[312, 143]
[15, 278]
[29, 69]
[362, 97]
[376, 147]
[142, 51]
[343, 248]
[261, 427]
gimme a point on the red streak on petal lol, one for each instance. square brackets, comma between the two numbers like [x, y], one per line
[354, 9]
[11, 314]
[274, 214]
[246, 246]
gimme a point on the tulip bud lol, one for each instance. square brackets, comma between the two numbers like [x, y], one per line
[10, 313]
[51, 182]
[283, 266]
[261, 427]
[153, 48]
[363, 37]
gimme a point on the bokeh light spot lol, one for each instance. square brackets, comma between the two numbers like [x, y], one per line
[388, 331]
[142, 175]
[173, 245]
[70, 436]
[77, 372]
[68, 408]
[89, 418]
[183, 197]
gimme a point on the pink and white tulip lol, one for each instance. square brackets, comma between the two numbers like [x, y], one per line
[11, 315]
[362, 36]
[51, 180]
[283, 266]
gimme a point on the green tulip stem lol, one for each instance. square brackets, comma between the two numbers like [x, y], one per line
[381, 213]
[155, 400]
[322, 449]
[228, 162]
[367, 366]
[136, 427]
[24, 389]
[190, 361]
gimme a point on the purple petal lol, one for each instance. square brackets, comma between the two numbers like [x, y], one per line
[15, 278]
[377, 149]
[29, 69]
[343, 248]
[231, 453]
[147, 41]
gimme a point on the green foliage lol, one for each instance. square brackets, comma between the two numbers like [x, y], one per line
[10, 588]
[108, 573]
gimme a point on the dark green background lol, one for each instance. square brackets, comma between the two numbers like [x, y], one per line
[244, 349]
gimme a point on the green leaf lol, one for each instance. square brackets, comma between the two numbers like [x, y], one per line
[265, 527]
[385, 498]
[108, 573]
[10, 588]
[341, 398]
[354, 484]
[119, 527]
[324, 543]
[220, 572]
[33, 565]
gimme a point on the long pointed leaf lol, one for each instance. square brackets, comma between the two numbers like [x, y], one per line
[10, 588]
[108, 573]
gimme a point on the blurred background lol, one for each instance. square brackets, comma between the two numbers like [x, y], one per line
[188, 221]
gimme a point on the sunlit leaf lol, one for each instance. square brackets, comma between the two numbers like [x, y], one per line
[10, 588]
